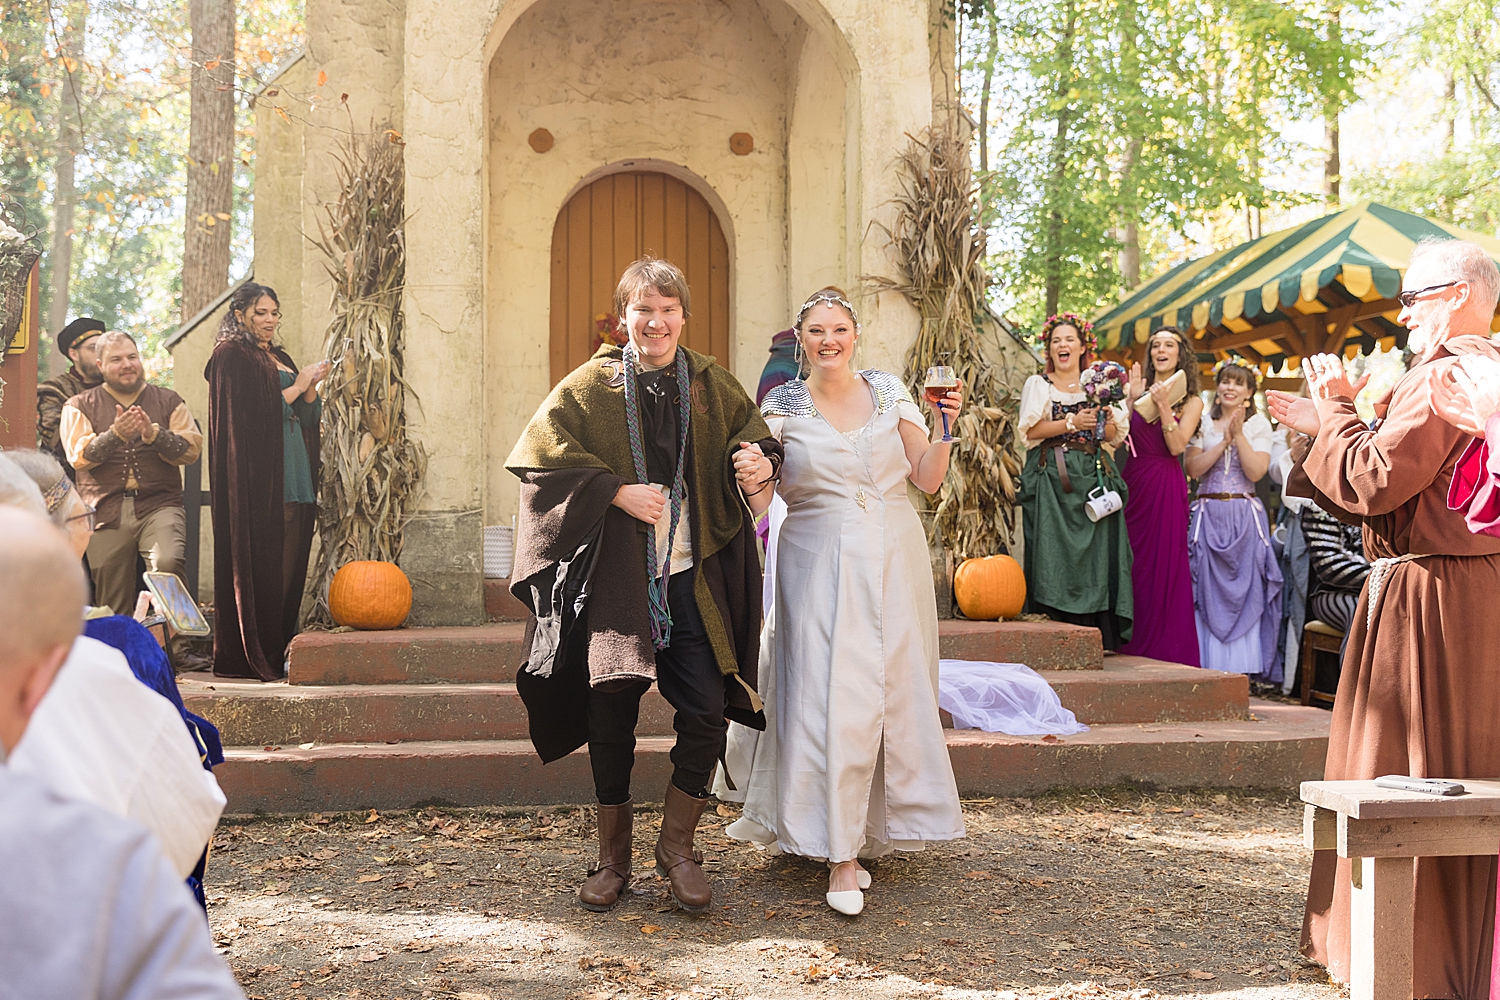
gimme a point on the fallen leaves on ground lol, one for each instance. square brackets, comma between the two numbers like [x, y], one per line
[1068, 897]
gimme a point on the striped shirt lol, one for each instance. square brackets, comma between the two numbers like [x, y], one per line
[1336, 551]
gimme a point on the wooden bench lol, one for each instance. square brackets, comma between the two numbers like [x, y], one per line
[1381, 831]
[1317, 637]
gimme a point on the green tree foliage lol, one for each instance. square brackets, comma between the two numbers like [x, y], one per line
[1457, 179]
[127, 250]
[1118, 122]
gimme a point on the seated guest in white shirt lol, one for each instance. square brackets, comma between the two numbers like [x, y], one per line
[90, 909]
[103, 737]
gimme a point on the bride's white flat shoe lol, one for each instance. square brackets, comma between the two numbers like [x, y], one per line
[861, 877]
[850, 903]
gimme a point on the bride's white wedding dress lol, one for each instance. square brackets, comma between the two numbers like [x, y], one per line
[853, 762]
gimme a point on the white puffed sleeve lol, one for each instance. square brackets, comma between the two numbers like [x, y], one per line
[911, 412]
[1281, 456]
[775, 423]
[1035, 396]
[1122, 422]
[1258, 432]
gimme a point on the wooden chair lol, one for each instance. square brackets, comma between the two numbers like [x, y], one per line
[1317, 637]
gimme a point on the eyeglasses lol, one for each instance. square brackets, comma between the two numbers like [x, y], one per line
[89, 514]
[1407, 298]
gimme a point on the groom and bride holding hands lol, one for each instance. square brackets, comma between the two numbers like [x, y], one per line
[642, 476]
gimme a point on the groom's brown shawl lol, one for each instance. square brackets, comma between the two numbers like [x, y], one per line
[572, 459]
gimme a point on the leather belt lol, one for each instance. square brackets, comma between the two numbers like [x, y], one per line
[1226, 496]
[1062, 469]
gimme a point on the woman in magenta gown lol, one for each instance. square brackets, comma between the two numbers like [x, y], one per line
[1156, 516]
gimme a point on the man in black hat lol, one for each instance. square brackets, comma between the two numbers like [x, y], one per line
[77, 340]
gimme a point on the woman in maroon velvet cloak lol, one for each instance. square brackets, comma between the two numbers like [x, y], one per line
[261, 540]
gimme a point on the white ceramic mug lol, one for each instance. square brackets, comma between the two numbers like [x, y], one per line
[1102, 503]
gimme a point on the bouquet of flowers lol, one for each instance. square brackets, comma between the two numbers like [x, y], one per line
[1103, 383]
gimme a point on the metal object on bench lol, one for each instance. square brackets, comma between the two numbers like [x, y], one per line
[1317, 637]
[1382, 831]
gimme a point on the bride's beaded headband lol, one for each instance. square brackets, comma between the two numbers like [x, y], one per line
[826, 298]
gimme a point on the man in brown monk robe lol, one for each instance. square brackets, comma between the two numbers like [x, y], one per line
[1420, 689]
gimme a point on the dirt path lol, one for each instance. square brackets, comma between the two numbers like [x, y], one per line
[1117, 895]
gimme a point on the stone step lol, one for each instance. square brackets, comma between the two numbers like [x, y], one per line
[1127, 690]
[1281, 746]
[490, 653]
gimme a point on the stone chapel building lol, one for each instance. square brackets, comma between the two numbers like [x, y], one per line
[549, 143]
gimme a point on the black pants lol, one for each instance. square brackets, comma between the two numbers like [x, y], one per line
[688, 676]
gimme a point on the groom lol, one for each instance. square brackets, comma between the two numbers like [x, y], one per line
[636, 554]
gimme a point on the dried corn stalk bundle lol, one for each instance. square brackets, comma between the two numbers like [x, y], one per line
[372, 472]
[940, 247]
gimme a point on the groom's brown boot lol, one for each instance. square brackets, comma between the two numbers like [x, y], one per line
[675, 858]
[606, 882]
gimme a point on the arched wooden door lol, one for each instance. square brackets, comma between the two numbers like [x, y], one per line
[618, 219]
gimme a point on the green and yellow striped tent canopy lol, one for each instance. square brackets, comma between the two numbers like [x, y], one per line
[1326, 285]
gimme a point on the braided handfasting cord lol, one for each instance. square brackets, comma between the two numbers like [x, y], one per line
[656, 580]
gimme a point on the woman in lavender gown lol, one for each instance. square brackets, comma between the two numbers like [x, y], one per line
[1236, 581]
[1157, 515]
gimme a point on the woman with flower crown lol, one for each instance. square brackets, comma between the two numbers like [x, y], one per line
[1236, 580]
[1077, 570]
[853, 762]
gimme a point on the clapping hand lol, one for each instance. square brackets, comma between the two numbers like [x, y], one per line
[1236, 424]
[310, 376]
[131, 424]
[1297, 412]
[1467, 394]
[1137, 386]
[1161, 396]
[1327, 381]
[751, 467]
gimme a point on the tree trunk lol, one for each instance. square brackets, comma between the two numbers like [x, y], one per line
[210, 178]
[1331, 161]
[65, 193]
[984, 99]
[1129, 232]
[1331, 167]
[1058, 160]
[1450, 112]
[1129, 210]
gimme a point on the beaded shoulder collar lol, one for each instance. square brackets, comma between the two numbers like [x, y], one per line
[793, 399]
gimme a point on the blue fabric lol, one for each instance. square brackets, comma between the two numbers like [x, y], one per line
[148, 661]
[296, 483]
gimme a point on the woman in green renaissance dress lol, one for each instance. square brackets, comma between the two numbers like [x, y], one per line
[1077, 570]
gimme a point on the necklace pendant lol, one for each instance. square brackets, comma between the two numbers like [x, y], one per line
[859, 498]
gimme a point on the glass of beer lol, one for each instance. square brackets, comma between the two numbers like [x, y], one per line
[940, 379]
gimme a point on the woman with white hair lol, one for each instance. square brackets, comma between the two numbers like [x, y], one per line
[111, 731]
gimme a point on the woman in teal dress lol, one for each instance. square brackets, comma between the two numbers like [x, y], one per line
[1077, 570]
[263, 420]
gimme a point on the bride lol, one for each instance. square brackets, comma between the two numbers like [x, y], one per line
[853, 763]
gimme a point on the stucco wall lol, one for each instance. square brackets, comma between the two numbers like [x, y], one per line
[360, 46]
[828, 88]
[665, 85]
[280, 161]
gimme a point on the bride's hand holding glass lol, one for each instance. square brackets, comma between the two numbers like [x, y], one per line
[946, 402]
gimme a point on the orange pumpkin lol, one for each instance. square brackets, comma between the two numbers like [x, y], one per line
[990, 588]
[370, 595]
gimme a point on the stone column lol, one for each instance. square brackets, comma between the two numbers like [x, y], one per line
[444, 101]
